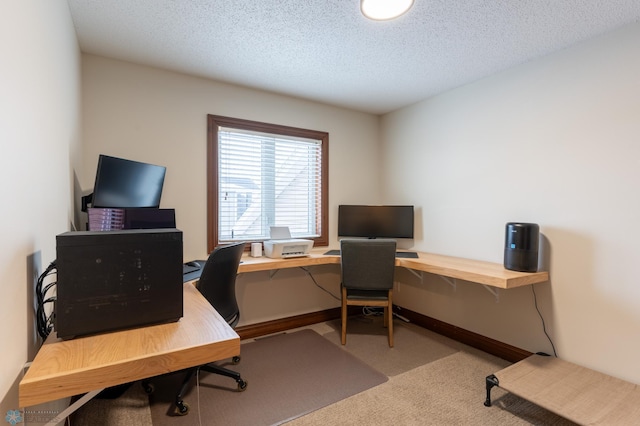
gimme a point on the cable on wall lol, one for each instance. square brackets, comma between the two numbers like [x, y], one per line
[544, 327]
[318, 285]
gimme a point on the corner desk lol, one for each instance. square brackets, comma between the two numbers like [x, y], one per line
[63, 368]
[491, 275]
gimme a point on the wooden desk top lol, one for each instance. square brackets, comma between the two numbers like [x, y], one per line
[476, 271]
[487, 273]
[255, 264]
[65, 368]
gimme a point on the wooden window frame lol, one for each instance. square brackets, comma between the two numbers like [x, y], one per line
[214, 122]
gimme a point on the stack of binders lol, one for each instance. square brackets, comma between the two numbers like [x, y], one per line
[105, 219]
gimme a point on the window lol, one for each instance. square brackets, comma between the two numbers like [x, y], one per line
[262, 175]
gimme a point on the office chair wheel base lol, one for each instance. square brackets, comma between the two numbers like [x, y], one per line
[148, 388]
[235, 360]
[182, 408]
[242, 385]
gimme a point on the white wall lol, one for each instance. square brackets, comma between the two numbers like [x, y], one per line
[554, 142]
[39, 135]
[156, 116]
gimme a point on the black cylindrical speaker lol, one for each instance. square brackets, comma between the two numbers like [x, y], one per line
[521, 247]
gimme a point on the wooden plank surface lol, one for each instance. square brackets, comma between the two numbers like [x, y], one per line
[582, 395]
[476, 271]
[488, 273]
[255, 264]
[71, 367]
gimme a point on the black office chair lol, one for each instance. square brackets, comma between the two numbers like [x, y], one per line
[218, 285]
[368, 268]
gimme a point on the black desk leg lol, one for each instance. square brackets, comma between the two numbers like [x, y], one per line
[491, 381]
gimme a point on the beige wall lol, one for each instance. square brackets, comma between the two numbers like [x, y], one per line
[39, 134]
[554, 142]
[156, 116]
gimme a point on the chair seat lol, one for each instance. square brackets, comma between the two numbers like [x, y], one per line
[356, 294]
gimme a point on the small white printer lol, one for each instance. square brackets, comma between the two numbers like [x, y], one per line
[281, 245]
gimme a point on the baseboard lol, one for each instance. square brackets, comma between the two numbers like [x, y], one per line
[475, 340]
[485, 344]
[277, 326]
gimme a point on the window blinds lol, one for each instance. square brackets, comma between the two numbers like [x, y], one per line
[267, 180]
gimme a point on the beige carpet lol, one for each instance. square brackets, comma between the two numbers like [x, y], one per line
[289, 375]
[448, 391]
[132, 408]
[432, 381]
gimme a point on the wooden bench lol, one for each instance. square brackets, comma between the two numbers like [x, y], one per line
[579, 394]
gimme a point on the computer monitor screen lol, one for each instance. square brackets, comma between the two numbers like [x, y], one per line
[124, 183]
[375, 221]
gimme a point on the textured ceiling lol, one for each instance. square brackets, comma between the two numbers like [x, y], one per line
[325, 50]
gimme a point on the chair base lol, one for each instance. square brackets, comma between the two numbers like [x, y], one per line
[181, 407]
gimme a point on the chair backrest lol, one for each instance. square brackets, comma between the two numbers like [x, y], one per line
[368, 264]
[218, 281]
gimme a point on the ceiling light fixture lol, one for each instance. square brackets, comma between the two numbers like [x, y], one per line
[382, 10]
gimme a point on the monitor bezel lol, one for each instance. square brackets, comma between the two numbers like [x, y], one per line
[145, 178]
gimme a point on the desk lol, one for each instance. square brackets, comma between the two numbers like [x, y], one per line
[486, 273]
[65, 368]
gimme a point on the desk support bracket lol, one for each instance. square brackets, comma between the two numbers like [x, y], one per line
[73, 407]
[493, 291]
[451, 282]
[273, 273]
[418, 275]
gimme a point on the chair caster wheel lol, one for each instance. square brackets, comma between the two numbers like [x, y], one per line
[182, 408]
[242, 385]
[148, 388]
[235, 360]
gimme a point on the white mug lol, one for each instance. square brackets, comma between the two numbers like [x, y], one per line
[256, 249]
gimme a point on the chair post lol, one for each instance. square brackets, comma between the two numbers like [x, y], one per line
[344, 316]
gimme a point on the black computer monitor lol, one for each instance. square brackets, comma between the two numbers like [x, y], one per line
[375, 221]
[124, 183]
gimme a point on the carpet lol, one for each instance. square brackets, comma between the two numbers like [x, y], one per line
[288, 375]
[413, 345]
[447, 391]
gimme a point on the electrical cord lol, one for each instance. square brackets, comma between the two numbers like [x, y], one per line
[372, 311]
[318, 285]
[44, 322]
[544, 327]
